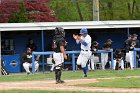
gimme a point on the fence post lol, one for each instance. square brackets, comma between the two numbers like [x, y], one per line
[73, 62]
[112, 61]
[135, 58]
[33, 63]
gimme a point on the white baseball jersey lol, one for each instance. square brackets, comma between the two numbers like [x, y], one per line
[87, 39]
[85, 51]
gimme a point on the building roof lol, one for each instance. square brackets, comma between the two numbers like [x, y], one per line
[69, 25]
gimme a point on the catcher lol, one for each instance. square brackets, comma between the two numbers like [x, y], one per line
[59, 52]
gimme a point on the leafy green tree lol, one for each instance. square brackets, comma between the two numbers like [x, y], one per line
[66, 10]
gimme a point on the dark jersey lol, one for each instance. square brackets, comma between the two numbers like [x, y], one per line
[27, 58]
[94, 46]
[118, 55]
[126, 45]
[107, 46]
[57, 43]
[133, 44]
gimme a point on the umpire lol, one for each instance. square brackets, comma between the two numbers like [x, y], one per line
[59, 52]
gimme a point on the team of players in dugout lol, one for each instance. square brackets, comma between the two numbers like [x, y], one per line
[120, 55]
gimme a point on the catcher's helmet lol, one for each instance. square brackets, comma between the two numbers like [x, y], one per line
[59, 31]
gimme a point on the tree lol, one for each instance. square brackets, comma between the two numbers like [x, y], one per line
[7, 8]
[79, 10]
[29, 10]
[20, 16]
[39, 11]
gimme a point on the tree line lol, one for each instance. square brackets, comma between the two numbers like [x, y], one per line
[82, 10]
[16, 11]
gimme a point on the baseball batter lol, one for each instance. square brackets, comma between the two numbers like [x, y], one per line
[85, 53]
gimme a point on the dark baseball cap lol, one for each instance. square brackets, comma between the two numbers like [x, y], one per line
[95, 42]
[109, 40]
[135, 35]
[129, 35]
[29, 49]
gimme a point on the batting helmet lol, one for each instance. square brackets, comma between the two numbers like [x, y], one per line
[83, 31]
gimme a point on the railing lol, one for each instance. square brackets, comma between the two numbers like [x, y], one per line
[73, 57]
[49, 53]
[135, 55]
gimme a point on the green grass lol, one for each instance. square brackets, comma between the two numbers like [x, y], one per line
[24, 77]
[112, 73]
[66, 75]
[45, 91]
[117, 83]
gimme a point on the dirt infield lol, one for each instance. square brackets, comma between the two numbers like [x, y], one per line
[68, 86]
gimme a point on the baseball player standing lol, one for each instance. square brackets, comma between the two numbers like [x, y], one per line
[104, 56]
[85, 53]
[59, 52]
[134, 43]
[94, 48]
[126, 47]
[126, 43]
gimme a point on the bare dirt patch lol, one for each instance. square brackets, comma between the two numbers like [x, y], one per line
[68, 86]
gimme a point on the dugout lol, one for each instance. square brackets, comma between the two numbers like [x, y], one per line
[15, 35]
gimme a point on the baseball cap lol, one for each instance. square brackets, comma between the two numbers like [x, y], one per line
[135, 35]
[83, 31]
[109, 40]
[95, 42]
[29, 49]
[129, 35]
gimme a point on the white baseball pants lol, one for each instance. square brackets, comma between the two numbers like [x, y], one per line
[29, 65]
[104, 59]
[121, 63]
[83, 58]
